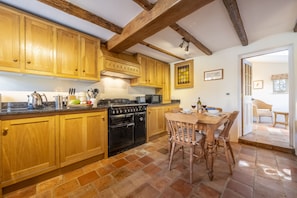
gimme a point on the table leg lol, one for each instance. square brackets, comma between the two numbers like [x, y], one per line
[209, 159]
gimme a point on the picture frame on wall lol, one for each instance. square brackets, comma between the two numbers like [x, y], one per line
[184, 74]
[217, 74]
[258, 84]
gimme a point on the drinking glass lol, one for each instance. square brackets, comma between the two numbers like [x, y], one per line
[193, 106]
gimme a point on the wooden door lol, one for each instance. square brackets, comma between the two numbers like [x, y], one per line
[28, 148]
[247, 105]
[72, 138]
[39, 53]
[67, 53]
[96, 133]
[10, 44]
[89, 57]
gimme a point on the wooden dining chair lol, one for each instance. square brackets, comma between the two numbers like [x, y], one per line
[222, 136]
[183, 134]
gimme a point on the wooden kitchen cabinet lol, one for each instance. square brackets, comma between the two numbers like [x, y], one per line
[149, 74]
[67, 53]
[156, 123]
[165, 90]
[10, 44]
[83, 135]
[39, 50]
[29, 148]
[89, 57]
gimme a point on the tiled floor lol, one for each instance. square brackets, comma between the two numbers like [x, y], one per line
[265, 134]
[143, 172]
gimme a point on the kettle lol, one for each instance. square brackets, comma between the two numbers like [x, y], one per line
[35, 100]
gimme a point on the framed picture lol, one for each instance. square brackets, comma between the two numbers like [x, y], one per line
[183, 74]
[258, 84]
[214, 74]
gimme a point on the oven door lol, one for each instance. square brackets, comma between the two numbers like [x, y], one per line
[120, 134]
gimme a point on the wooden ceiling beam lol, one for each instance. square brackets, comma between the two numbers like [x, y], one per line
[190, 38]
[232, 8]
[83, 14]
[147, 23]
[145, 4]
[160, 50]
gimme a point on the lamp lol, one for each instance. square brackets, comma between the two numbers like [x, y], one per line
[182, 44]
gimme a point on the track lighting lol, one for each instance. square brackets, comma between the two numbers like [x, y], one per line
[182, 44]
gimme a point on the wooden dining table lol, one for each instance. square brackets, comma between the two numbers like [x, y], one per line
[209, 123]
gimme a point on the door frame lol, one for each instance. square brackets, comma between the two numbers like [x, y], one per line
[292, 88]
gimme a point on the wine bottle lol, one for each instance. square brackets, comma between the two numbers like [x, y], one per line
[199, 104]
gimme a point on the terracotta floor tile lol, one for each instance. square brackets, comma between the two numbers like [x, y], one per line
[45, 194]
[22, 193]
[49, 184]
[84, 191]
[160, 183]
[144, 191]
[182, 187]
[135, 165]
[106, 169]
[152, 169]
[73, 174]
[104, 182]
[204, 191]
[170, 193]
[87, 178]
[119, 163]
[121, 174]
[240, 188]
[146, 160]
[131, 157]
[138, 178]
[66, 188]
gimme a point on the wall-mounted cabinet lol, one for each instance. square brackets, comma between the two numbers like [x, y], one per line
[165, 90]
[36, 46]
[150, 75]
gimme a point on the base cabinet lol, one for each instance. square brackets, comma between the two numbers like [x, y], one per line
[156, 123]
[82, 136]
[29, 148]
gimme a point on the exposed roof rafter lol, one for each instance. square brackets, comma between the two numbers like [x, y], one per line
[190, 38]
[164, 13]
[160, 50]
[232, 8]
[83, 14]
[145, 4]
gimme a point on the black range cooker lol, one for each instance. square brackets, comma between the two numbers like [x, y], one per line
[126, 124]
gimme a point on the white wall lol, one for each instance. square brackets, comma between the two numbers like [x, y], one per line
[16, 87]
[264, 71]
[214, 93]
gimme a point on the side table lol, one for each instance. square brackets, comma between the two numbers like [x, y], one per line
[285, 114]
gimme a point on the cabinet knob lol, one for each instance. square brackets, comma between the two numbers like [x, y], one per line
[28, 62]
[76, 69]
[15, 60]
[5, 131]
[84, 71]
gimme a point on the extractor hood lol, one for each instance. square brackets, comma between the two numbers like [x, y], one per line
[118, 65]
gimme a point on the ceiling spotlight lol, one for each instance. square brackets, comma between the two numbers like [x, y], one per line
[187, 47]
[182, 44]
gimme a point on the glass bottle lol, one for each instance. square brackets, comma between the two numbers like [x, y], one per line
[199, 104]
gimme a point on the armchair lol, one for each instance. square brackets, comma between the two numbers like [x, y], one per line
[261, 109]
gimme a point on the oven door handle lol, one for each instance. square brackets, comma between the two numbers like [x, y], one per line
[122, 125]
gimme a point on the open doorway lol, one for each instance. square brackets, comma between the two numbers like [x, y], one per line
[265, 88]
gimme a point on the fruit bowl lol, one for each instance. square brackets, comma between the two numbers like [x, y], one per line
[80, 106]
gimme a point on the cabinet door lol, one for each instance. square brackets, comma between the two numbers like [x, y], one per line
[82, 136]
[151, 71]
[29, 148]
[67, 53]
[39, 44]
[10, 41]
[89, 57]
[155, 121]
[96, 133]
